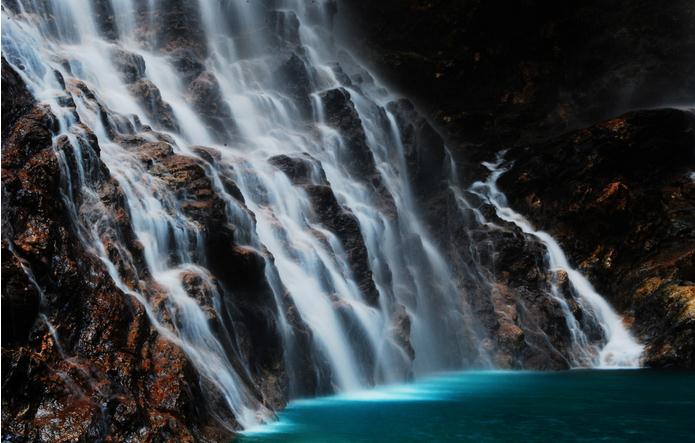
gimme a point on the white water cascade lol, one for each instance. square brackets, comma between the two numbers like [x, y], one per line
[621, 350]
[255, 85]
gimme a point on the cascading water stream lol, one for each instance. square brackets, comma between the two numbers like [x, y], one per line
[620, 350]
[251, 119]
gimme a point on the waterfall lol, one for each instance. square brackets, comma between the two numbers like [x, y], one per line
[306, 161]
[620, 349]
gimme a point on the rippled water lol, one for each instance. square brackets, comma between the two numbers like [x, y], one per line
[573, 406]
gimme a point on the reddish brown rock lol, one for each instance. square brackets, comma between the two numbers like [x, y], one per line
[341, 114]
[98, 371]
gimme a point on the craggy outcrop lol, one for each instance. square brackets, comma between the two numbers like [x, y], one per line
[131, 66]
[173, 25]
[80, 358]
[620, 198]
[152, 103]
[294, 79]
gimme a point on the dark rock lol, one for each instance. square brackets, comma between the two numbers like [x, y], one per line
[187, 63]
[300, 170]
[345, 226]
[307, 172]
[341, 114]
[20, 300]
[206, 97]
[173, 25]
[104, 17]
[131, 66]
[422, 144]
[619, 199]
[151, 100]
[22, 100]
[294, 79]
[286, 25]
[538, 69]
[401, 330]
[101, 371]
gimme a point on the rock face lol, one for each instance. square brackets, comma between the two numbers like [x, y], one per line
[153, 105]
[340, 113]
[500, 69]
[81, 357]
[307, 173]
[617, 195]
[59, 379]
[206, 96]
[621, 199]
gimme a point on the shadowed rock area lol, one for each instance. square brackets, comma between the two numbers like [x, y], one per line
[620, 197]
[617, 195]
[91, 363]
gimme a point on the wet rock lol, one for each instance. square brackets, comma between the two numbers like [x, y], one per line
[665, 311]
[104, 18]
[100, 370]
[150, 98]
[130, 65]
[196, 195]
[22, 102]
[345, 226]
[187, 63]
[20, 300]
[172, 25]
[341, 114]
[206, 97]
[305, 171]
[286, 25]
[400, 328]
[152, 152]
[300, 170]
[423, 147]
[294, 79]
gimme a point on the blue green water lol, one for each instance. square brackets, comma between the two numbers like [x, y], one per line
[571, 406]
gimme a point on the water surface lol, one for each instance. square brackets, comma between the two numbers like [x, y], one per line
[571, 406]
